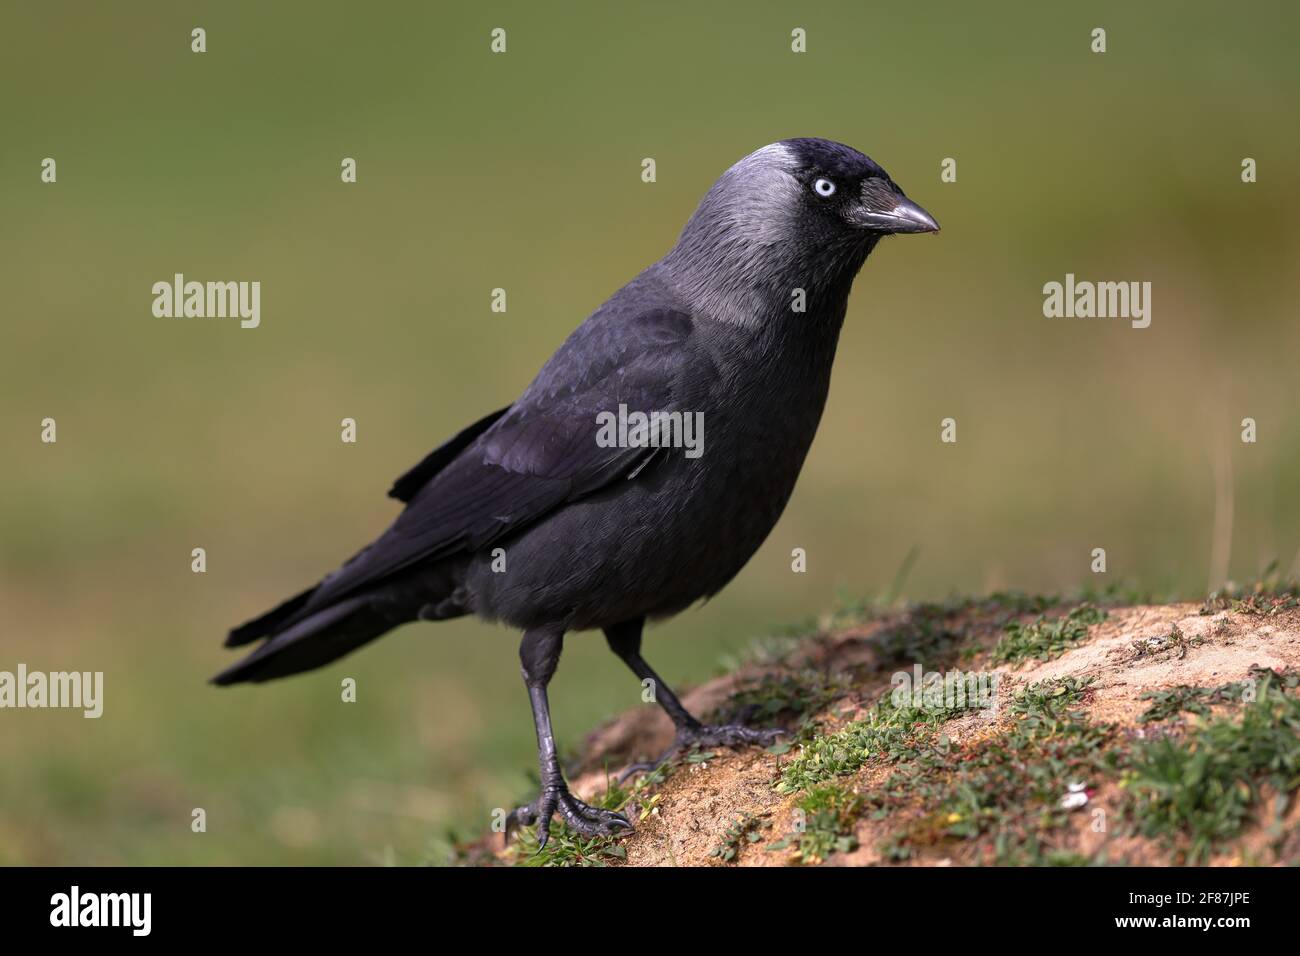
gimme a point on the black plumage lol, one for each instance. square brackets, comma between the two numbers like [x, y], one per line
[606, 537]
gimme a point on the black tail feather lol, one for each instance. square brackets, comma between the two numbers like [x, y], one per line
[270, 622]
[312, 642]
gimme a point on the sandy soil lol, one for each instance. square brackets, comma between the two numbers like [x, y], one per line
[1127, 655]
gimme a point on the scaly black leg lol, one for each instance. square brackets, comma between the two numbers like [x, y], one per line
[539, 654]
[625, 641]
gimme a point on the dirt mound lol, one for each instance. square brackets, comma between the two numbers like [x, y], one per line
[1009, 730]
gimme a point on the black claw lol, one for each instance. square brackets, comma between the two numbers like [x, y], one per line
[546, 805]
[615, 820]
[578, 816]
[589, 820]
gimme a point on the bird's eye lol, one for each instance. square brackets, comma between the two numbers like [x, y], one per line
[824, 188]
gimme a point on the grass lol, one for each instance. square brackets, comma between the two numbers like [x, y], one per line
[1202, 790]
[1010, 785]
[1013, 791]
[827, 816]
[1045, 639]
[1191, 793]
[1018, 790]
[886, 731]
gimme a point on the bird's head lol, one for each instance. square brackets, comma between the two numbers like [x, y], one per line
[843, 192]
[801, 212]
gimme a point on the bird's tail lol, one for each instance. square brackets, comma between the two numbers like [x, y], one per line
[313, 628]
[270, 622]
[317, 639]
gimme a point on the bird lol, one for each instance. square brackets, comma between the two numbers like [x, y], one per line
[528, 518]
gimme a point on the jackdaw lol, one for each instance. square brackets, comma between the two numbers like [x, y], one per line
[533, 517]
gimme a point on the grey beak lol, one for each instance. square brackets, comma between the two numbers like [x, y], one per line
[905, 216]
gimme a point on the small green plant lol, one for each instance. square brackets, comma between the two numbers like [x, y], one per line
[1271, 594]
[1011, 785]
[1045, 639]
[886, 731]
[1170, 703]
[1204, 788]
[827, 816]
[1163, 646]
[1049, 702]
[1269, 603]
[745, 829]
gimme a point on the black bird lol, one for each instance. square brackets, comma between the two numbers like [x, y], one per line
[738, 323]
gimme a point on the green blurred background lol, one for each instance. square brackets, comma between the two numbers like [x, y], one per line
[523, 171]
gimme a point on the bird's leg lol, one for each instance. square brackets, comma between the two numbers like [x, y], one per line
[539, 653]
[625, 641]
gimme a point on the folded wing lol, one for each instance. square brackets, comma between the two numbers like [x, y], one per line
[513, 467]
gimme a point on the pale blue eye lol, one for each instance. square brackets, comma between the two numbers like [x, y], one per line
[824, 188]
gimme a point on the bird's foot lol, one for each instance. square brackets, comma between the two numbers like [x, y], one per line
[580, 817]
[689, 738]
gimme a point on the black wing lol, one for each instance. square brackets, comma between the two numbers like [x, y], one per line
[405, 487]
[542, 452]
